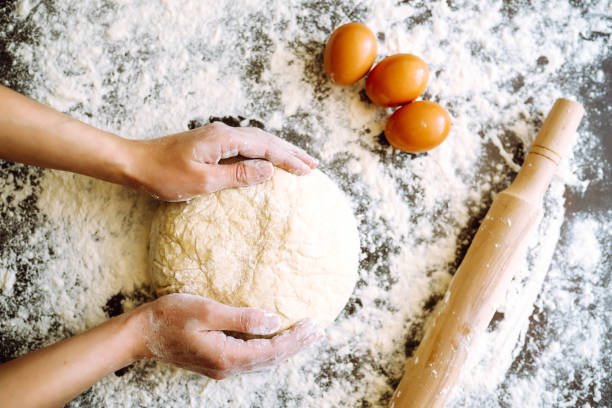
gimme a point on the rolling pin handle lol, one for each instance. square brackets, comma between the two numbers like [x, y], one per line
[553, 142]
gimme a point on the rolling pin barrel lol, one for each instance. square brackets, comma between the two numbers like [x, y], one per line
[487, 269]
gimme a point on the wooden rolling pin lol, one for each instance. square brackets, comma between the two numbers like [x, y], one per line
[486, 271]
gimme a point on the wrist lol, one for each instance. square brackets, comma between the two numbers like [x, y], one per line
[125, 158]
[135, 171]
[87, 150]
[136, 329]
[103, 155]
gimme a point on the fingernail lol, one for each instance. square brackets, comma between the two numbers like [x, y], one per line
[270, 323]
[302, 170]
[306, 324]
[314, 337]
[307, 328]
[263, 170]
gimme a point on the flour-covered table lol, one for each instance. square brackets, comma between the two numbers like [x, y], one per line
[73, 250]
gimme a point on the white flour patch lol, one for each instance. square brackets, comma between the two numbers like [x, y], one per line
[147, 68]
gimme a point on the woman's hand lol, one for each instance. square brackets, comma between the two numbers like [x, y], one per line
[175, 167]
[180, 166]
[186, 330]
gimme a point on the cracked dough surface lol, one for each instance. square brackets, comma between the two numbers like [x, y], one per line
[289, 245]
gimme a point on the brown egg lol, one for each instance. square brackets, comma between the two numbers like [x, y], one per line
[349, 53]
[397, 80]
[418, 126]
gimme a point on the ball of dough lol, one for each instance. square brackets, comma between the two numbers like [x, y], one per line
[289, 245]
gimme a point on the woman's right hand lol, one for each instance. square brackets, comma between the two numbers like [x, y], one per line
[183, 165]
[187, 331]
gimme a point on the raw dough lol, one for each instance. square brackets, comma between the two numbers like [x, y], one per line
[289, 245]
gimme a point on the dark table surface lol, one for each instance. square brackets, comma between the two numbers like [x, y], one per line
[20, 217]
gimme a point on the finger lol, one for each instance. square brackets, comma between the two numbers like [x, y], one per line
[208, 314]
[255, 143]
[305, 157]
[241, 319]
[244, 173]
[234, 356]
[298, 152]
[258, 353]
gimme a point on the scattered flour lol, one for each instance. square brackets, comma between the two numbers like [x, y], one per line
[148, 68]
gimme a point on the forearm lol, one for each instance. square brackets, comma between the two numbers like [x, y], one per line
[52, 376]
[174, 167]
[35, 134]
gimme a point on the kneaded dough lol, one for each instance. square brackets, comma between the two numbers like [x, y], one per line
[289, 245]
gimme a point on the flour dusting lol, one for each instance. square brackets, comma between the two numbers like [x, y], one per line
[76, 252]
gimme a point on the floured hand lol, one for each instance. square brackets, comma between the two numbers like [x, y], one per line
[186, 330]
[180, 166]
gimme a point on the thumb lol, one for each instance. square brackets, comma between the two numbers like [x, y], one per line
[243, 173]
[250, 320]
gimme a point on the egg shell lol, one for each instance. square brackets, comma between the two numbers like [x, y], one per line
[397, 79]
[418, 127]
[349, 53]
